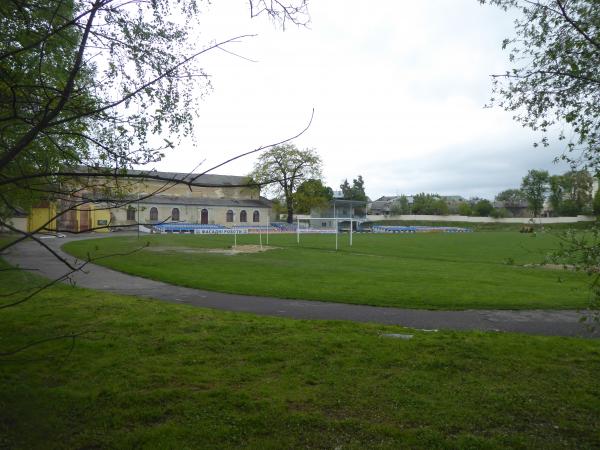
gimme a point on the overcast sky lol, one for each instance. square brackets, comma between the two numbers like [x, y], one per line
[398, 92]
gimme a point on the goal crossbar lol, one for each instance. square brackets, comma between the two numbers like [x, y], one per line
[317, 230]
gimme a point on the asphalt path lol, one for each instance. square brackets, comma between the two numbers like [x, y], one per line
[31, 255]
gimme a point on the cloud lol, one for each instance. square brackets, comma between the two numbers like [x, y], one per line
[398, 91]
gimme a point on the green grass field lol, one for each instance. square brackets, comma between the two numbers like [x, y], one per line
[148, 374]
[435, 271]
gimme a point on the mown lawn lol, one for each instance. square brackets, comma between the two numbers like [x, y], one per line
[156, 375]
[435, 271]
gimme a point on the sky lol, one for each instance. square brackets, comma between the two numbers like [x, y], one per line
[398, 92]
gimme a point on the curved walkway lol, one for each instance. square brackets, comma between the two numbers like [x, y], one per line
[31, 255]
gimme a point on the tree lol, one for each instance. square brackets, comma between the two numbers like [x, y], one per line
[429, 204]
[571, 193]
[89, 89]
[440, 207]
[422, 203]
[346, 189]
[98, 86]
[483, 208]
[511, 197]
[556, 196]
[464, 209]
[535, 187]
[356, 191]
[555, 78]
[403, 201]
[578, 186]
[500, 213]
[596, 204]
[284, 168]
[400, 206]
[311, 194]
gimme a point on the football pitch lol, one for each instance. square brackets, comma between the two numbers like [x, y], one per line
[487, 270]
[149, 374]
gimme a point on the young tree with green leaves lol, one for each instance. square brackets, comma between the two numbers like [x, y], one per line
[400, 206]
[511, 196]
[596, 203]
[429, 204]
[555, 73]
[534, 186]
[284, 168]
[555, 81]
[311, 194]
[483, 208]
[464, 209]
[356, 191]
[571, 193]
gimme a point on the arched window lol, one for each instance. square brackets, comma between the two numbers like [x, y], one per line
[204, 216]
[229, 216]
[175, 214]
[243, 216]
[131, 213]
[153, 213]
[256, 216]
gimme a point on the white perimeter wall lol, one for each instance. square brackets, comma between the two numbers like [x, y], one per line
[20, 223]
[432, 218]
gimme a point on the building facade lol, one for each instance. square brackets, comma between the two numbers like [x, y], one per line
[221, 199]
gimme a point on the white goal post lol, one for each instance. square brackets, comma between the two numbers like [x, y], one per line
[325, 225]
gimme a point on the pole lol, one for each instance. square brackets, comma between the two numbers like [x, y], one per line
[234, 238]
[260, 238]
[350, 232]
[138, 216]
[298, 231]
[336, 234]
[268, 226]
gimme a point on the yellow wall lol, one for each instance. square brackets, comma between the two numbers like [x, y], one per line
[39, 216]
[100, 215]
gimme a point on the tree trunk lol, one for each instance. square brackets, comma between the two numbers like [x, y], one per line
[290, 208]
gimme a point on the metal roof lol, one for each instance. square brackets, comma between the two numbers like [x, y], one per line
[209, 178]
[196, 201]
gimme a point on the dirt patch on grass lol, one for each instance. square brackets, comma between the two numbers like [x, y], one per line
[223, 251]
[551, 266]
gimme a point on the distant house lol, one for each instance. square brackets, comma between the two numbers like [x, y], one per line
[516, 208]
[453, 199]
[382, 206]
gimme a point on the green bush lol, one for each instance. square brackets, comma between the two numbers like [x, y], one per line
[596, 204]
[500, 213]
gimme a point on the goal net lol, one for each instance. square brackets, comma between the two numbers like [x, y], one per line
[341, 227]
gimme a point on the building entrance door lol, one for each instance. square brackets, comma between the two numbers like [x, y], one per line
[204, 217]
[84, 218]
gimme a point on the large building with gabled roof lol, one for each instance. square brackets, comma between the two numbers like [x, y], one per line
[147, 198]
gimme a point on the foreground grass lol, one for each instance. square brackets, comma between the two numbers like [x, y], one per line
[149, 374]
[436, 271]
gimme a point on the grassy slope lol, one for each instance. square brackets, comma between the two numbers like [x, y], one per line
[168, 376]
[438, 271]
